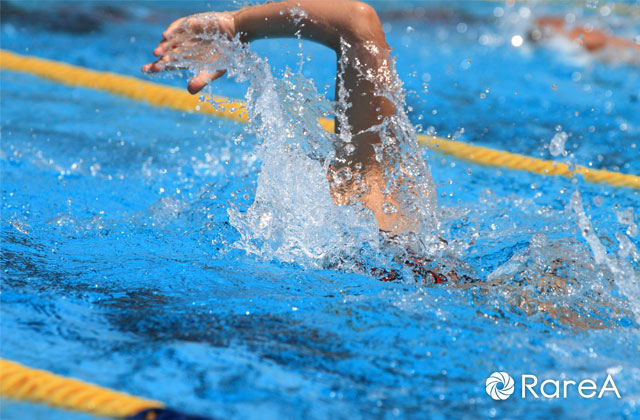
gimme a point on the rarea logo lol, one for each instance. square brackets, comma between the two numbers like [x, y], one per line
[500, 386]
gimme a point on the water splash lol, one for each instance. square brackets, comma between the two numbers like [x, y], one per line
[556, 147]
[625, 217]
[627, 281]
[544, 270]
[293, 217]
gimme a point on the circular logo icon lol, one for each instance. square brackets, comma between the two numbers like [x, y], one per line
[499, 385]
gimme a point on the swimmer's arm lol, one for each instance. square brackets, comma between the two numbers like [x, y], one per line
[329, 22]
[325, 21]
[365, 75]
[594, 39]
[591, 40]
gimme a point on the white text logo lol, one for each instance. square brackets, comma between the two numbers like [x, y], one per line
[499, 385]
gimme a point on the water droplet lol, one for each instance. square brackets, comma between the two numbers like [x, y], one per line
[342, 176]
[605, 11]
[556, 147]
[388, 208]
[536, 34]
[538, 240]
[598, 200]
[349, 148]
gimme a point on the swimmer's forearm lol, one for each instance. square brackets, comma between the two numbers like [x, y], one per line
[624, 43]
[324, 21]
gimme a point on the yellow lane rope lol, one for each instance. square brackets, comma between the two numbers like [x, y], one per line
[170, 97]
[117, 84]
[498, 158]
[21, 383]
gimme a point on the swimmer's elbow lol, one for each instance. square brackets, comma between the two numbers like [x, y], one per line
[361, 11]
[365, 23]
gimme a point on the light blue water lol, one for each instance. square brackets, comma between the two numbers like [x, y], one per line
[119, 263]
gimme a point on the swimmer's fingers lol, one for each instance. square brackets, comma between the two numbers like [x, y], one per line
[155, 67]
[178, 32]
[179, 44]
[194, 24]
[163, 64]
[170, 60]
[202, 79]
[174, 28]
[185, 55]
[162, 48]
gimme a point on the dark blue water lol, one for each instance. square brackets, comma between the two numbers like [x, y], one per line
[119, 264]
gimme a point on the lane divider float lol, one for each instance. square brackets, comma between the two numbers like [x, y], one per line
[21, 383]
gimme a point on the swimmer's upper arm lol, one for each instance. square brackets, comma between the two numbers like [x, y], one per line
[592, 40]
[326, 22]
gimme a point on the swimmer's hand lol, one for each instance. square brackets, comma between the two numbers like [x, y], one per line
[183, 41]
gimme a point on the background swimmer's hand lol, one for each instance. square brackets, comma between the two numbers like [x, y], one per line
[183, 41]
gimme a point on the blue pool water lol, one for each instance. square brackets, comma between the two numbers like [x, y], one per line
[121, 266]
